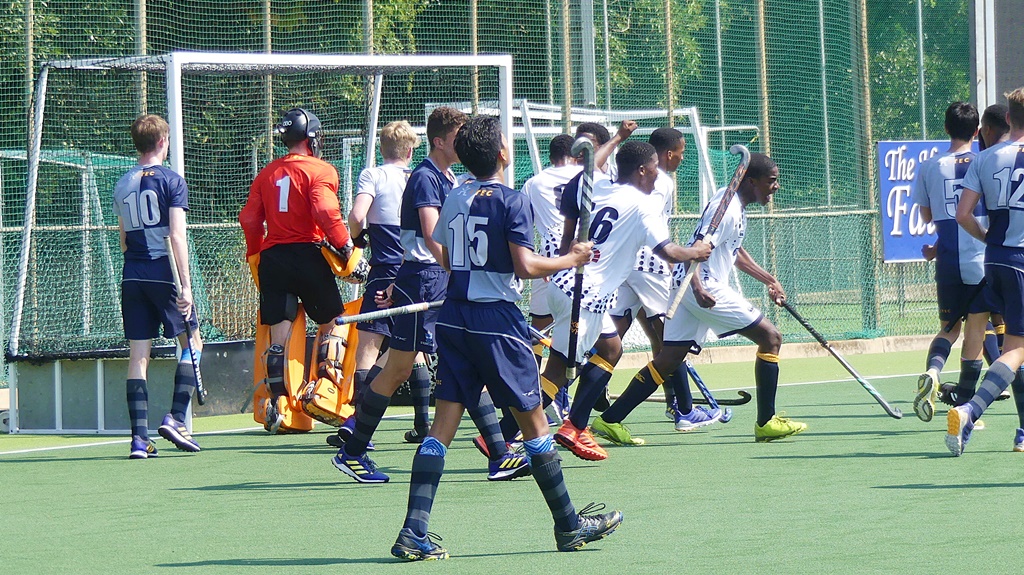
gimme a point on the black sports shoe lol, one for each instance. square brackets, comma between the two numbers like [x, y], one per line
[412, 548]
[344, 434]
[415, 435]
[592, 527]
[948, 395]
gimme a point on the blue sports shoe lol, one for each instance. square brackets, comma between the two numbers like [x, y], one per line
[175, 431]
[511, 465]
[362, 469]
[410, 547]
[958, 428]
[142, 448]
[698, 417]
[1018, 440]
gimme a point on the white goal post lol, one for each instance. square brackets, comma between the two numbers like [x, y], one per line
[171, 91]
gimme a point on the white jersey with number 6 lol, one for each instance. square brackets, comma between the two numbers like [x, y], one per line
[622, 220]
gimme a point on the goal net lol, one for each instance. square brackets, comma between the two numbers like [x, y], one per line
[221, 108]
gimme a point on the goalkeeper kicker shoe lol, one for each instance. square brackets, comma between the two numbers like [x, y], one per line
[273, 416]
[927, 392]
[1018, 440]
[362, 469]
[958, 429]
[592, 527]
[510, 466]
[776, 428]
[411, 547]
[142, 448]
[698, 417]
[175, 431]
[615, 432]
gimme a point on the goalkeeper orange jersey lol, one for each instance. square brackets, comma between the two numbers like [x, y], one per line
[297, 197]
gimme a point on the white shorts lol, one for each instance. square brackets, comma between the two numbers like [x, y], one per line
[539, 289]
[642, 289]
[592, 325]
[732, 313]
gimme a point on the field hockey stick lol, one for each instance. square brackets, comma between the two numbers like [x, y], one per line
[385, 313]
[727, 412]
[200, 388]
[893, 412]
[716, 219]
[967, 307]
[743, 399]
[583, 146]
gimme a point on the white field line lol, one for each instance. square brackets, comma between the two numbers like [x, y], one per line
[824, 381]
[117, 441]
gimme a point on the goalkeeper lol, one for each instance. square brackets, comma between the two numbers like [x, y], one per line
[296, 196]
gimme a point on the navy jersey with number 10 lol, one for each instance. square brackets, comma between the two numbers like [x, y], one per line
[143, 198]
[476, 224]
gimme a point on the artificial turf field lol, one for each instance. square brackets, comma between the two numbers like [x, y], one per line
[858, 492]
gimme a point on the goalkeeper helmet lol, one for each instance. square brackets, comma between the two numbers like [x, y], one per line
[299, 124]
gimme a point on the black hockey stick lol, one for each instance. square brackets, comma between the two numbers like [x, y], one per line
[743, 399]
[893, 412]
[583, 146]
[200, 388]
[716, 219]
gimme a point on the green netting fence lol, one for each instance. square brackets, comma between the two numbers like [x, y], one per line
[822, 80]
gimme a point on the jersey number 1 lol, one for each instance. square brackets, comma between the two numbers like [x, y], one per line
[284, 185]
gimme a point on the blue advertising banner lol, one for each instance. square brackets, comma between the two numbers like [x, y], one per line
[903, 232]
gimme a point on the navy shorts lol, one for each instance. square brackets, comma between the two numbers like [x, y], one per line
[288, 271]
[379, 278]
[1008, 292]
[146, 305]
[486, 344]
[417, 283]
[953, 297]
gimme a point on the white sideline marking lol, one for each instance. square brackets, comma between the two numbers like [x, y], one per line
[824, 381]
[117, 441]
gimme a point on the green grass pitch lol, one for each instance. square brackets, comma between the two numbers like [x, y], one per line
[858, 492]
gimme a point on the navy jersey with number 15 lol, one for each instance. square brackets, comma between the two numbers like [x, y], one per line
[476, 224]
